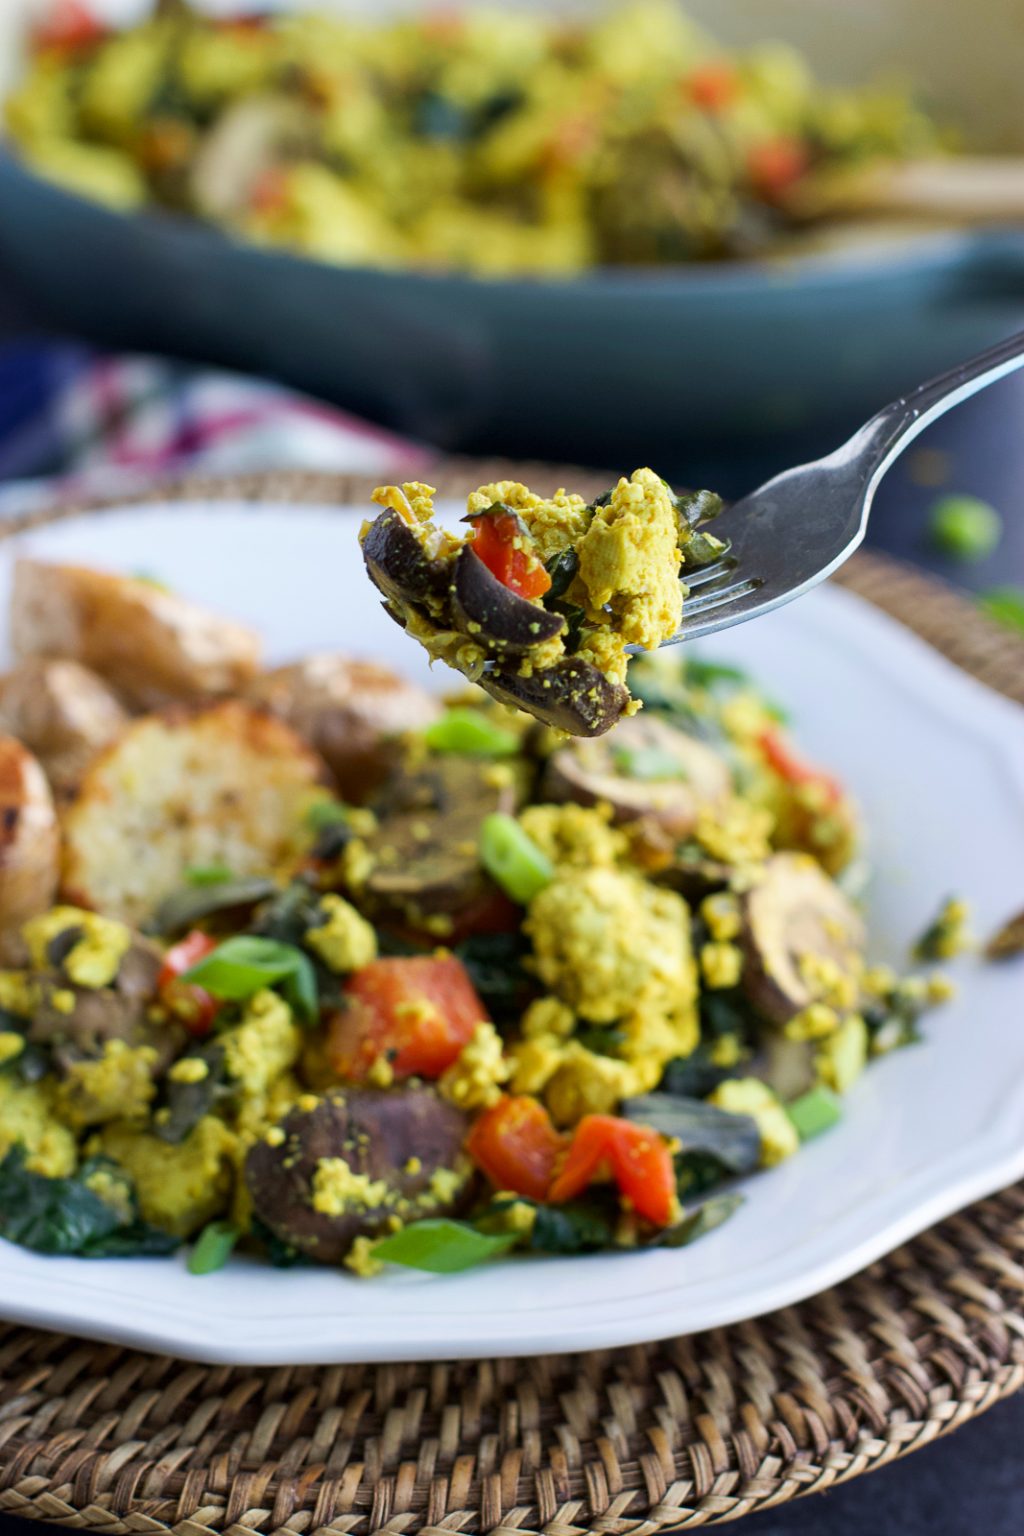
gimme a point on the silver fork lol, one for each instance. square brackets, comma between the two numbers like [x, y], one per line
[796, 529]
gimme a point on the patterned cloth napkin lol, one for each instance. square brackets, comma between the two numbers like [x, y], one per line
[77, 423]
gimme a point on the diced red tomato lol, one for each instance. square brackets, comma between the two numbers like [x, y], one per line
[713, 86]
[191, 1005]
[789, 765]
[416, 1012]
[498, 541]
[774, 165]
[69, 27]
[516, 1146]
[270, 193]
[634, 1156]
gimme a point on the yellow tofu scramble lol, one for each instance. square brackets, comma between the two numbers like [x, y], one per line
[487, 140]
[539, 601]
[312, 963]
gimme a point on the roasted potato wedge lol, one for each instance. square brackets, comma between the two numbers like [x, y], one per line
[63, 713]
[223, 785]
[29, 838]
[351, 711]
[152, 646]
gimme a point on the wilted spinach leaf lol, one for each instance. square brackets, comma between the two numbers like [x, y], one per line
[577, 1227]
[64, 1216]
[697, 1223]
[187, 1103]
[495, 965]
[189, 905]
[733, 1140]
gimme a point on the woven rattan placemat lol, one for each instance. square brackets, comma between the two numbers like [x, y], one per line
[649, 1439]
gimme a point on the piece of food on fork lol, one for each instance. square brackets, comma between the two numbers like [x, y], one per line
[541, 599]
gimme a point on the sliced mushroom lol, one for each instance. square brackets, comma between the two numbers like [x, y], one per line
[63, 713]
[572, 696]
[795, 913]
[787, 1066]
[485, 608]
[401, 567]
[426, 868]
[100, 1014]
[647, 769]
[351, 711]
[248, 139]
[393, 1143]
[29, 838]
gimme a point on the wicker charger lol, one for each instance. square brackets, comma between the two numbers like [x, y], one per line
[649, 1439]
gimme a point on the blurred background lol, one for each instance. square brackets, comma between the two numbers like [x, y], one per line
[714, 239]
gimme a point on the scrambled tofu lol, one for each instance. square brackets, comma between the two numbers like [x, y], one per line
[264, 1045]
[749, 1096]
[27, 1118]
[559, 588]
[344, 940]
[629, 560]
[94, 957]
[611, 945]
[179, 1188]
[117, 1085]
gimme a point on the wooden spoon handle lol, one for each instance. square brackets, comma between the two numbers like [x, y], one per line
[962, 189]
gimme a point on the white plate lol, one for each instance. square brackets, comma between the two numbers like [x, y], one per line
[937, 762]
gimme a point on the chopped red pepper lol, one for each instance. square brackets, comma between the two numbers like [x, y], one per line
[191, 1005]
[414, 1012]
[634, 1156]
[775, 164]
[516, 1146]
[713, 86]
[789, 765]
[502, 544]
[69, 27]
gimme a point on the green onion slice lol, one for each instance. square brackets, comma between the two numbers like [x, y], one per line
[470, 733]
[213, 1248]
[815, 1111]
[513, 859]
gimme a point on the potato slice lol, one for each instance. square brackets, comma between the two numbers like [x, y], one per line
[225, 785]
[29, 838]
[151, 645]
[351, 711]
[63, 713]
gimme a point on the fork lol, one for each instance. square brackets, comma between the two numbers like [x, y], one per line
[799, 527]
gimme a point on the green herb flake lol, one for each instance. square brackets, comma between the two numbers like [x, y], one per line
[241, 966]
[1005, 605]
[964, 527]
[513, 859]
[470, 733]
[213, 1248]
[815, 1111]
[442, 1247]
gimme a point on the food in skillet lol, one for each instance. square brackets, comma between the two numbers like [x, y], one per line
[539, 599]
[487, 141]
[512, 991]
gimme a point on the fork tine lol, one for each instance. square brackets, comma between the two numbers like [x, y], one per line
[709, 573]
[709, 601]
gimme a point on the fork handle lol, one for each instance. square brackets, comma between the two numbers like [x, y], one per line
[886, 435]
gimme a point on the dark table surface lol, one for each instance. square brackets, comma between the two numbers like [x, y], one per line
[973, 1481]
